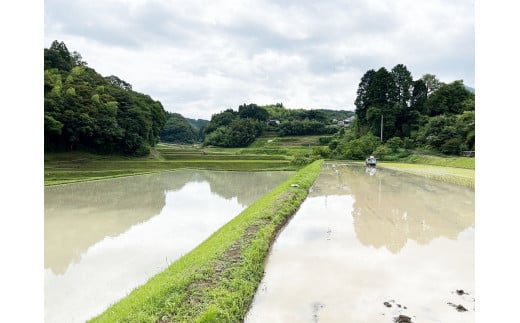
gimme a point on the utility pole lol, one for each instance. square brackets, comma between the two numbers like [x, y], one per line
[381, 128]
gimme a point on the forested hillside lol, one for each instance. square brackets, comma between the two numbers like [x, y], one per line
[86, 111]
[240, 128]
[179, 130]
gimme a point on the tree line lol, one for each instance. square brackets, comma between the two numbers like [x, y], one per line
[395, 113]
[231, 128]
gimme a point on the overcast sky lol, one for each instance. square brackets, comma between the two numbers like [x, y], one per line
[201, 57]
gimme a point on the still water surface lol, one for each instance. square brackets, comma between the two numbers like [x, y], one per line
[361, 240]
[104, 238]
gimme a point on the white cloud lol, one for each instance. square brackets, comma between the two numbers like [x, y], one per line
[200, 57]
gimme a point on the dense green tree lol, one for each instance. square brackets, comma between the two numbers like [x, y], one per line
[114, 80]
[243, 132]
[178, 130]
[224, 118]
[419, 95]
[394, 143]
[432, 83]
[58, 56]
[224, 127]
[402, 87]
[364, 98]
[359, 148]
[451, 98]
[277, 112]
[253, 111]
[449, 134]
[240, 133]
[77, 59]
[305, 127]
[384, 97]
[315, 115]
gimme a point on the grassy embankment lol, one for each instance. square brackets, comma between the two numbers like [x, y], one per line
[216, 281]
[458, 170]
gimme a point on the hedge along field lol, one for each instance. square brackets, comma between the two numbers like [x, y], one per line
[216, 281]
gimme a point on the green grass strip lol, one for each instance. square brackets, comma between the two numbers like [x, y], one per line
[447, 161]
[462, 176]
[216, 281]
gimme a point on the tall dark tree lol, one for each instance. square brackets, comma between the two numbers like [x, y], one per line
[364, 98]
[385, 97]
[403, 82]
[57, 56]
[378, 98]
[400, 94]
[419, 95]
[382, 89]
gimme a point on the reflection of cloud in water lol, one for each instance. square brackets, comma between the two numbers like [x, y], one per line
[391, 207]
[79, 215]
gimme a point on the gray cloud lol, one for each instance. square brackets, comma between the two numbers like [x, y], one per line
[200, 57]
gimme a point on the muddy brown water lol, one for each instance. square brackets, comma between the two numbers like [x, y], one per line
[104, 238]
[373, 248]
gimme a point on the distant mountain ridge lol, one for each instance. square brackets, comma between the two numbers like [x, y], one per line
[197, 123]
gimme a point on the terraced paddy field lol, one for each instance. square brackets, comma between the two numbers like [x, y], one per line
[61, 168]
[266, 153]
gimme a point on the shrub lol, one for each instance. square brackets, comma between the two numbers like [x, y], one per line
[333, 144]
[381, 152]
[451, 146]
[408, 143]
[394, 143]
[321, 152]
[324, 140]
[303, 159]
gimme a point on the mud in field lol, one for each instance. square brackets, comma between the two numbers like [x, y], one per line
[387, 247]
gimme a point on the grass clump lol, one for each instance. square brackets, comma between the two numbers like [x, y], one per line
[216, 281]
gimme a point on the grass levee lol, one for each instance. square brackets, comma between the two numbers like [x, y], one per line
[462, 176]
[216, 281]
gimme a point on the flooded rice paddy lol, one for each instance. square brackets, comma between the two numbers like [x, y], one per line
[104, 238]
[381, 247]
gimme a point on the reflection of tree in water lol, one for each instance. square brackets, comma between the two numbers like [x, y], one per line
[246, 189]
[392, 207]
[79, 215]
